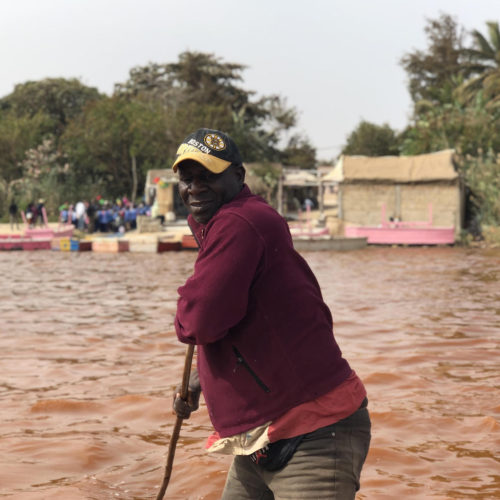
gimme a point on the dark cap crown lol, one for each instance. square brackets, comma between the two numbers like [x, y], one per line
[214, 149]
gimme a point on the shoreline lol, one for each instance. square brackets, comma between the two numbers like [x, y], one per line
[490, 238]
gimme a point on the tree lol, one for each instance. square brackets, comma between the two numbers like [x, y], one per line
[44, 176]
[456, 94]
[113, 143]
[433, 74]
[202, 90]
[371, 140]
[482, 178]
[485, 66]
[196, 76]
[299, 153]
[18, 134]
[465, 128]
[59, 99]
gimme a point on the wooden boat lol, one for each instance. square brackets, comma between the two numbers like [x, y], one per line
[19, 243]
[110, 245]
[401, 235]
[64, 230]
[169, 246]
[328, 243]
[309, 232]
[61, 244]
[81, 245]
[143, 245]
[189, 242]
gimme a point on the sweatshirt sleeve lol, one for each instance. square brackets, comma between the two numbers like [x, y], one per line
[215, 297]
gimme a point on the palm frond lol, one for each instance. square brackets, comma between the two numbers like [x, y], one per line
[483, 45]
[494, 33]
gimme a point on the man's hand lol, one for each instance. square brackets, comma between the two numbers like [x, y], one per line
[183, 408]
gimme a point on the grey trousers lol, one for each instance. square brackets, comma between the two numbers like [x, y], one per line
[326, 465]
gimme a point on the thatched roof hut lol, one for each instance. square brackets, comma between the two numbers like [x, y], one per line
[405, 188]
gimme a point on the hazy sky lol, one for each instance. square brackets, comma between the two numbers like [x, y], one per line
[336, 61]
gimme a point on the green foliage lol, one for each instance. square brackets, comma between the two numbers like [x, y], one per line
[482, 177]
[465, 128]
[44, 175]
[201, 90]
[485, 67]
[33, 113]
[263, 178]
[299, 153]
[432, 74]
[103, 141]
[456, 94]
[371, 140]
[17, 134]
[111, 142]
[59, 99]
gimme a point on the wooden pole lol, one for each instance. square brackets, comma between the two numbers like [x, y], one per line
[178, 423]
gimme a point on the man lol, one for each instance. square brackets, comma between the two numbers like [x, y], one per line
[279, 393]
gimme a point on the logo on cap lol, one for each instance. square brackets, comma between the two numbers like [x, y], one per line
[215, 141]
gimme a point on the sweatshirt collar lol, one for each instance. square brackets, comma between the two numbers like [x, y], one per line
[198, 229]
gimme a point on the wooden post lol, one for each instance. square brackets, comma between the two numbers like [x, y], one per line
[321, 199]
[280, 195]
[178, 423]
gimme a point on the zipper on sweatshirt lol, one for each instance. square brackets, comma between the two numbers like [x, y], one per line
[240, 361]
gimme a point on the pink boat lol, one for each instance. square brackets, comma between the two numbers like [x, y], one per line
[403, 233]
[19, 243]
[35, 238]
[47, 232]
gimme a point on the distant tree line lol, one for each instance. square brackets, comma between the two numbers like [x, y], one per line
[61, 140]
[455, 91]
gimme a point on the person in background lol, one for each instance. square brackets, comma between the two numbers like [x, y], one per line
[40, 216]
[63, 213]
[31, 214]
[104, 218]
[130, 217]
[13, 215]
[81, 215]
[91, 214]
[280, 395]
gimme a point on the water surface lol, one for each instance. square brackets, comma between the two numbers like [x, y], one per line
[89, 360]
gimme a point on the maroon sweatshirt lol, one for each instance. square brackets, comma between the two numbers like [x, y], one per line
[254, 308]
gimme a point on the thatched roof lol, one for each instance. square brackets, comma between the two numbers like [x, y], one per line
[421, 168]
[299, 177]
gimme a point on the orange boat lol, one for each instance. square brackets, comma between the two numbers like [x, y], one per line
[189, 242]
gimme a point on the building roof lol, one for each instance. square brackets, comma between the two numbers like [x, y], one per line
[299, 177]
[437, 166]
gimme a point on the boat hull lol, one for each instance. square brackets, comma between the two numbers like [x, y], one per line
[403, 235]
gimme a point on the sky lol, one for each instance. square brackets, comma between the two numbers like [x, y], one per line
[337, 62]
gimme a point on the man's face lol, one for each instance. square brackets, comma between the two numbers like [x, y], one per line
[204, 192]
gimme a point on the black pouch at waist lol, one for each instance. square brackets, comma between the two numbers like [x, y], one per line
[276, 455]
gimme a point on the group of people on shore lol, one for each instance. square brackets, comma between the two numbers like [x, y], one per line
[100, 215]
[33, 215]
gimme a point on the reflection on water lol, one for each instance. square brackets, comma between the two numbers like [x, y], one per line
[89, 360]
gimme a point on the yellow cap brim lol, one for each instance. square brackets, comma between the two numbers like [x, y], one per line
[212, 163]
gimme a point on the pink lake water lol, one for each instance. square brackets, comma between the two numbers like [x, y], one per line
[89, 360]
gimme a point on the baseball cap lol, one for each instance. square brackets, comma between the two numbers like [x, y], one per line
[213, 149]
